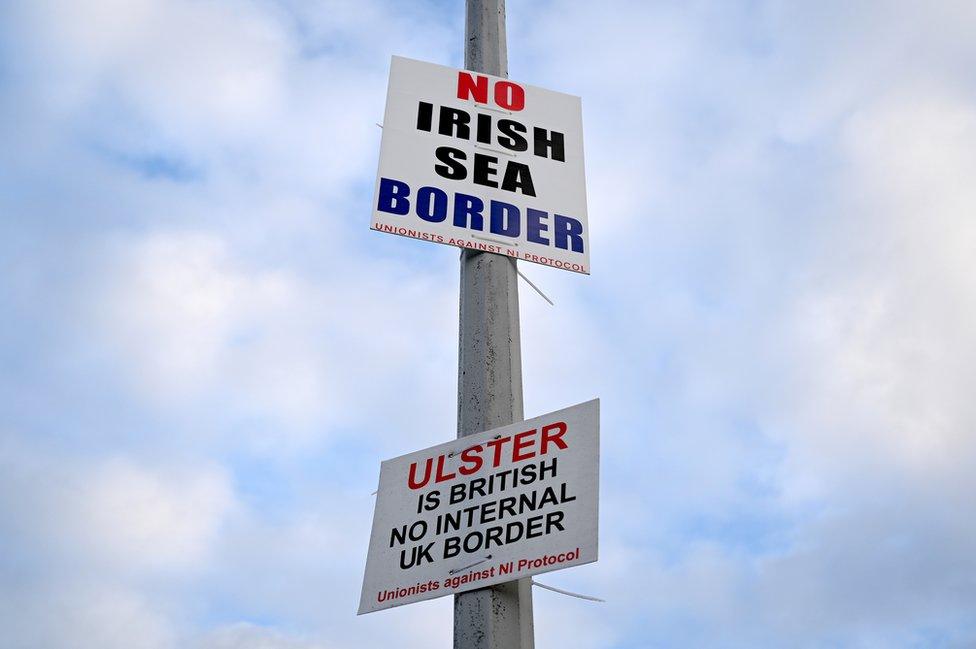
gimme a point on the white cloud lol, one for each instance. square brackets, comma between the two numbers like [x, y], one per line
[196, 66]
[154, 520]
[87, 543]
[185, 319]
[186, 295]
[96, 616]
[249, 636]
[133, 519]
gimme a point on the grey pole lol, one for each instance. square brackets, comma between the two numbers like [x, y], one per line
[489, 366]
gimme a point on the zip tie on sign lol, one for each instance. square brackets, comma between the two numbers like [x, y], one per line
[378, 124]
[529, 282]
[453, 453]
[498, 151]
[566, 592]
[501, 243]
[497, 110]
[471, 565]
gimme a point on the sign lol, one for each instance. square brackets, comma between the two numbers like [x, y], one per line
[481, 162]
[485, 509]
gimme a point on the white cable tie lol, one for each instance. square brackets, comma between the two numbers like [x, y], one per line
[501, 243]
[378, 124]
[375, 492]
[472, 565]
[497, 110]
[566, 592]
[498, 151]
[529, 282]
[453, 453]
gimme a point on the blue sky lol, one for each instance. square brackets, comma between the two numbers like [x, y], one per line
[205, 353]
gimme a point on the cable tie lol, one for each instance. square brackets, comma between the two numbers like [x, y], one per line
[529, 282]
[453, 453]
[501, 243]
[497, 110]
[472, 565]
[498, 151]
[566, 592]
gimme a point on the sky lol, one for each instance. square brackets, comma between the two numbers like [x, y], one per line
[205, 352]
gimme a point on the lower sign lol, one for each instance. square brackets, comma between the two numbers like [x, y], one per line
[485, 509]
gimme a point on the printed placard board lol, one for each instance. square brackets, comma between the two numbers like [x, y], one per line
[501, 505]
[482, 162]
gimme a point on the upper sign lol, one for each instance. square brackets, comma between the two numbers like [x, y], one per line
[481, 162]
[484, 509]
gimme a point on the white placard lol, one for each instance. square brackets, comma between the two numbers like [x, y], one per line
[481, 162]
[485, 509]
